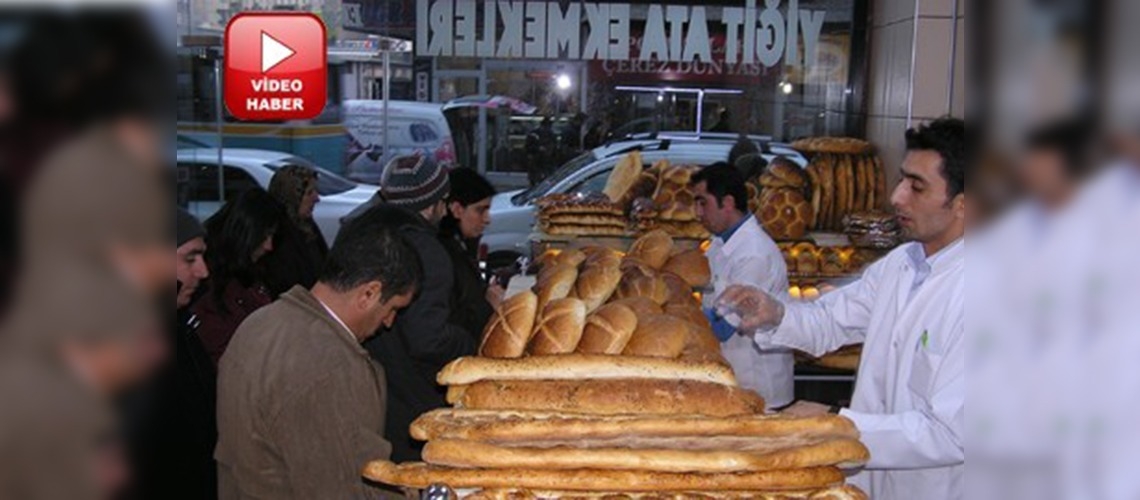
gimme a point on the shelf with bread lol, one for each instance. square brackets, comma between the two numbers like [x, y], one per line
[605, 380]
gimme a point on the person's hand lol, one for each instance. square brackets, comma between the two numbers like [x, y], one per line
[806, 409]
[495, 295]
[757, 310]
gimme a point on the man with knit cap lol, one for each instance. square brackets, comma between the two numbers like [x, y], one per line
[422, 340]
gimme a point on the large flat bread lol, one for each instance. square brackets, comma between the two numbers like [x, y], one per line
[534, 427]
[609, 397]
[420, 475]
[842, 492]
[844, 453]
[579, 367]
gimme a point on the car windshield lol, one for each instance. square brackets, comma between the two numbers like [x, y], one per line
[328, 183]
[540, 189]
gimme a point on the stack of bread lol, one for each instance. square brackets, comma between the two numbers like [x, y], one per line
[782, 205]
[580, 215]
[656, 198]
[807, 259]
[873, 229]
[606, 381]
[846, 177]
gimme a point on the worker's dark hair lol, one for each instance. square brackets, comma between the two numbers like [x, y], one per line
[721, 180]
[371, 247]
[947, 137]
[1073, 139]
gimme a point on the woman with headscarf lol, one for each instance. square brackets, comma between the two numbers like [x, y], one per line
[237, 238]
[468, 214]
[299, 250]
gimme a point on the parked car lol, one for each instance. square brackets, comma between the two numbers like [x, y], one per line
[198, 186]
[513, 213]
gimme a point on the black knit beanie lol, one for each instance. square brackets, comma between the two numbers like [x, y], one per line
[188, 227]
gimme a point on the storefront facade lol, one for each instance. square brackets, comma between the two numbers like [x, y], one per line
[779, 68]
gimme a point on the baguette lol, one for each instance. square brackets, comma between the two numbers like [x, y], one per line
[420, 475]
[843, 453]
[841, 492]
[468, 370]
[529, 427]
[610, 397]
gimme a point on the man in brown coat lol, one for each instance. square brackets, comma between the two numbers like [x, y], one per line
[300, 403]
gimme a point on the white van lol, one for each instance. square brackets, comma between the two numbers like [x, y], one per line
[413, 128]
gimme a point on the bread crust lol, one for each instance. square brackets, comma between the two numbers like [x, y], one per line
[558, 327]
[657, 335]
[608, 330]
[690, 265]
[653, 248]
[843, 492]
[611, 397]
[467, 370]
[419, 475]
[474, 454]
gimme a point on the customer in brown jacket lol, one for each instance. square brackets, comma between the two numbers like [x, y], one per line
[300, 403]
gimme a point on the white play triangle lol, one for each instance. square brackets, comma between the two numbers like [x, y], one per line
[273, 52]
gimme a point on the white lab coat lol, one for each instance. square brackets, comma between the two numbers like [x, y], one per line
[750, 257]
[910, 393]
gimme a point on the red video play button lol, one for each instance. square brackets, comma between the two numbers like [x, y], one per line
[275, 66]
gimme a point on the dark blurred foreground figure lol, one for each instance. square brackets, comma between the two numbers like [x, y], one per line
[299, 249]
[83, 328]
[237, 238]
[300, 404]
[468, 214]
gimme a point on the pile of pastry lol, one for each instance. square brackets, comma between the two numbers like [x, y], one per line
[846, 177]
[580, 215]
[658, 197]
[780, 200]
[606, 381]
[805, 258]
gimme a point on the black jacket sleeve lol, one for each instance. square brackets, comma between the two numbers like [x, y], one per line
[425, 325]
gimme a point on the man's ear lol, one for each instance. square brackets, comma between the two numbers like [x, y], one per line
[728, 201]
[958, 205]
[367, 295]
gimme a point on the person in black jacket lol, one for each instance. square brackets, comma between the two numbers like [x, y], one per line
[299, 249]
[424, 338]
[468, 213]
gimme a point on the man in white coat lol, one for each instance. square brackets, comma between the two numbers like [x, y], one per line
[741, 253]
[908, 309]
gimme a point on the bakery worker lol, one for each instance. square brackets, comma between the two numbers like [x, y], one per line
[742, 254]
[908, 310]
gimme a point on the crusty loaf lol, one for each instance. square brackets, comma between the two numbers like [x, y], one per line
[678, 291]
[555, 283]
[659, 336]
[532, 428]
[509, 330]
[839, 492]
[639, 305]
[624, 174]
[653, 248]
[610, 397]
[692, 266]
[639, 281]
[558, 327]
[608, 330]
[580, 366]
[597, 281]
[420, 475]
[844, 453]
[569, 257]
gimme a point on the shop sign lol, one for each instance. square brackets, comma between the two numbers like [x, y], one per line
[763, 33]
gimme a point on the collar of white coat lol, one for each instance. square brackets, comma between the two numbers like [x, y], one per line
[940, 260]
[742, 235]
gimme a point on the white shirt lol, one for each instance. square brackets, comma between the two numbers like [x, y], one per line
[909, 311]
[750, 257]
[346, 329]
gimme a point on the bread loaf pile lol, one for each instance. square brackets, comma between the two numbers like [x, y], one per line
[846, 177]
[580, 215]
[807, 259]
[782, 205]
[606, 381]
